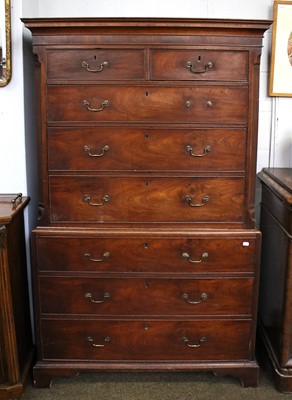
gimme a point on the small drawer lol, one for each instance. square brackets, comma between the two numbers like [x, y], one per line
[104, 103]
[96, 64]
[127, 149]
[148, 296]
[278, 206]
[128, 340]
[115, 199]
[193, 254]
[203, 65]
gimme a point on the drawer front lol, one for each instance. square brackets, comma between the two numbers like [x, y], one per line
[145, 254]
[199, 65]
[148, 296]
[95, 64]
[103, 340]
[155, 199]
[226, 105]
[101, 149]
[278, 207]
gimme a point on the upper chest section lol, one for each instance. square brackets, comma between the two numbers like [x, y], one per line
[194, 50]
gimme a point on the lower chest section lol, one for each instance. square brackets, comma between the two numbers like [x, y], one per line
[145, 295]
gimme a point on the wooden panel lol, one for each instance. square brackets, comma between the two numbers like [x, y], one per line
[275, 301]
[279, 208]
[102, 148]
[145, 296]
[145, 340]
[137, 199]
[274, 264]
[16, 347]
[146, 254]
[95, 64]
[198, 64]
[164, 104]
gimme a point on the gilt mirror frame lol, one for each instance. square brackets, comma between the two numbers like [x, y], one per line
[281, 54]
[5, 60]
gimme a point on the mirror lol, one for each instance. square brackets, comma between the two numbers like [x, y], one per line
[5, 42]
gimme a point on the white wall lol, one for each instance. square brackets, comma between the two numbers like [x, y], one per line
[126, 8]
[156, 8]
[12, 139]
[30, 8]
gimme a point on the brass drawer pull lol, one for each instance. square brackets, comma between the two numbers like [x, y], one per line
[102, 66]
[106, 296]
[203, 257]
[203, 297]
[206, 150]
[206, 67]
[106, 340]
[104, 103]
[105, 199]
[106, 254]
[201, 341]
[205, 200]
[17, 198]
[103, 151]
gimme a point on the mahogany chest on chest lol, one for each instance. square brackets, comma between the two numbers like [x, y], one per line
[146, 254]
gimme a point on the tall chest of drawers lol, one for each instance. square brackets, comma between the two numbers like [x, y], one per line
[146, 254]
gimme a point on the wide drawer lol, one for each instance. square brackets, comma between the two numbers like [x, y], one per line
[128, 148]
[145, 254]
[226, 105]
[145, 296]
[104, 340]
[199, 65]
[95, 64]
[151, 199]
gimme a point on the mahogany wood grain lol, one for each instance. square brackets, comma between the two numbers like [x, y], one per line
[159, 199]
[222, 105]
[120, 64]
[174, 65]
[233, 255]
[150, 148]
[145, 340]
[146, 296]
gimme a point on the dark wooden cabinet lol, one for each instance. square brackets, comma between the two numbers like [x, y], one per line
[16, 348]
[275, 305]
[146, 256]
